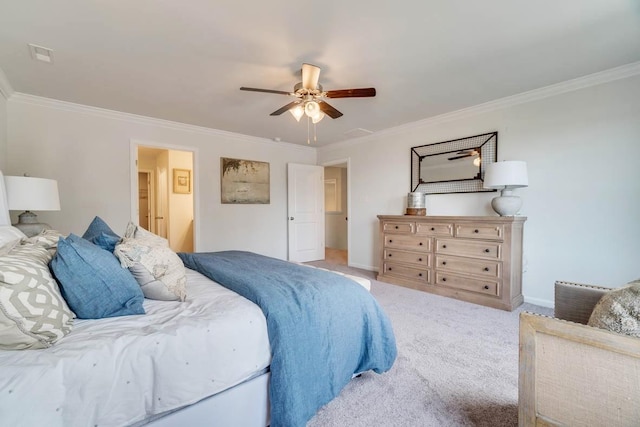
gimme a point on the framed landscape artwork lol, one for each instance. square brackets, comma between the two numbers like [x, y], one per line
[244, 181]
[182, 181]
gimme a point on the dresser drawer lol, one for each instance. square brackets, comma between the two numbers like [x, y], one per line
[398, 227]
[403, 241]
[417, 258]
[489, 287]
[486, 268]
[414, 273]
[477, 231]
[488, 250]
[435, 229]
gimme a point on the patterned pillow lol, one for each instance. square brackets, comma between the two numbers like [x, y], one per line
[157, 269]
[33, 313]
[619, 310]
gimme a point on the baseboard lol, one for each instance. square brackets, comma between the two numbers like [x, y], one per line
[539, 301]
[363, 267]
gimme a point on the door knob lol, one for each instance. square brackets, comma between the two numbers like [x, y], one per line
[291, 218]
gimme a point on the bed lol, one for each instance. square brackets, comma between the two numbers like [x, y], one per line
[208, 360]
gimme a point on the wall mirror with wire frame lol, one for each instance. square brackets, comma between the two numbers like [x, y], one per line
[455, 166]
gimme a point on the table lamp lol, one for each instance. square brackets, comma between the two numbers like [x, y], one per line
[506, 176]
[28, 193]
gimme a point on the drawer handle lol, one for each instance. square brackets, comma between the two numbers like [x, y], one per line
[396, 227]
[390, 241]
[420, 274]
[433, 229]
[476, 231]
[420, 243]
[485, 269]
[390, 255]
[389, 268]
[444, 246]
[419, 259]
[444, 279]
[486, 286]
[487, 250]
[444, 262]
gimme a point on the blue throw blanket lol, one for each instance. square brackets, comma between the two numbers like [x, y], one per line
[323, 327]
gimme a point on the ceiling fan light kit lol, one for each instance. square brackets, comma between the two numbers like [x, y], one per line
[311, 96]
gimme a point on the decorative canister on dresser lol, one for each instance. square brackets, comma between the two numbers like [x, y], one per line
[416, 204]
[473, 258]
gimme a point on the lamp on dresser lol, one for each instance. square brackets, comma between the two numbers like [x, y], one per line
[506, 176]
[29, 193]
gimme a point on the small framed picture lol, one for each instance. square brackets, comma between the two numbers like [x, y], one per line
[182, 181]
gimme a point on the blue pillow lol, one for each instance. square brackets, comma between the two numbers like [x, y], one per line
[95, 231]
[92, 281]
[106, 241]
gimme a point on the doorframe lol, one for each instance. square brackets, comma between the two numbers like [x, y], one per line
[133, 179]
[346, 160]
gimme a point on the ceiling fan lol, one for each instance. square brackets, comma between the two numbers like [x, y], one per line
[310, 96]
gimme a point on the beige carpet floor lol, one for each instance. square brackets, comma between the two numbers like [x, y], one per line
[457, 365]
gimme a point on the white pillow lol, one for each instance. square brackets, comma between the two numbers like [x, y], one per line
[9, 237]
[8, 233]
[157, 269]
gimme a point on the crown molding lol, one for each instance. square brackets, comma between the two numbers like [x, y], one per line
[5, 87]
[595, 79]
[24, 98]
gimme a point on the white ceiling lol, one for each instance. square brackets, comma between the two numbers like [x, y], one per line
[185, 60]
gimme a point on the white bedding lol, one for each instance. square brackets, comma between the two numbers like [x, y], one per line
[119, 371]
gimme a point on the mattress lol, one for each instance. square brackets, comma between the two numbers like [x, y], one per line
[123, 370]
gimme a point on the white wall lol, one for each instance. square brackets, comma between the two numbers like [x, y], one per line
[3, 132]
[88, 151]
[583, 201]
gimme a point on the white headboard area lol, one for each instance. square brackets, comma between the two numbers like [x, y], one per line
[4, 209]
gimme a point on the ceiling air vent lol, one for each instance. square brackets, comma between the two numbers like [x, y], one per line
[40, 53]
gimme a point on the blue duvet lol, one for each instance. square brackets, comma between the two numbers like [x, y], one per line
[323, 327]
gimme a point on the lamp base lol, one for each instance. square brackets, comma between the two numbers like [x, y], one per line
[29, 225]
[506, 204]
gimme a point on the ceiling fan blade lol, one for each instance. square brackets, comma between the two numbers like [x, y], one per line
[352, 93]
[253, 89]
[310, 76]
[329, 110]
[285, 108]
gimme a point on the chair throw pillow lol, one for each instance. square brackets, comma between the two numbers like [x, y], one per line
[92, 281]
[158, 270]
[101, 234]
[33, 313]
[619, 311]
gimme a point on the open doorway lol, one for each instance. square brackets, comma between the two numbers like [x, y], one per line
[336, 179]
[165, 189]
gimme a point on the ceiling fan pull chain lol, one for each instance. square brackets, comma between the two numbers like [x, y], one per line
[315, 137]
[308, 140]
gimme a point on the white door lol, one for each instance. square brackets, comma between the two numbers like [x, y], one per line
[306, 212]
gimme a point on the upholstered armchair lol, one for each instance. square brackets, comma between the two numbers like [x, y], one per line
[572, 374]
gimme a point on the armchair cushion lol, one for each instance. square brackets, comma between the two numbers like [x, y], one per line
[619, 311]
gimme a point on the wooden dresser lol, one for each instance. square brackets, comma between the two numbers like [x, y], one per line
[472, 258]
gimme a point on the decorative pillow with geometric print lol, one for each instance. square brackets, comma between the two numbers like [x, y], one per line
[33, 313]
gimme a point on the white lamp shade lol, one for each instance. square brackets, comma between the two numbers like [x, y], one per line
[25, 193]
[507, 174]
